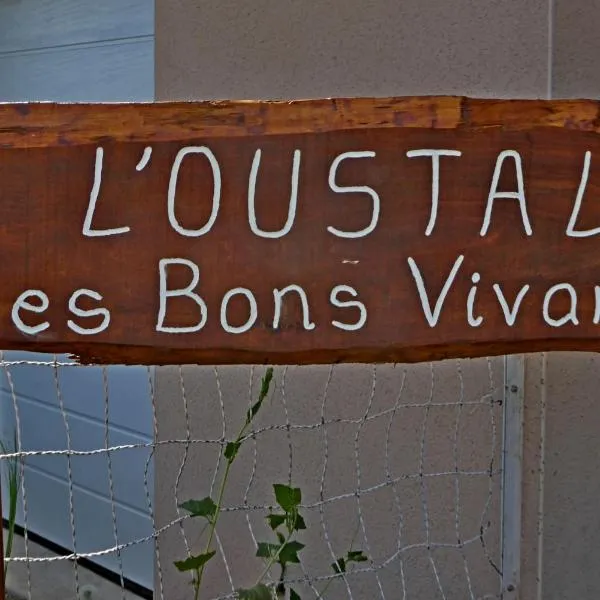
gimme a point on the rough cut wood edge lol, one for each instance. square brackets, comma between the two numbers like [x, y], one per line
[24, 125]
[123, 354]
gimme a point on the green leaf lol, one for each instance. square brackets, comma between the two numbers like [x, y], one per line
[266, 550]
[194, 562]
[294, 595]
[200, 508]
[287, 497]
[258, 592]
[231, 450]
[264, 390]
[356, 556]
[294, 521]
[299, 522]
[339, 566]
[275, 520]
[280, 537]
[266, 383]
[289, 553]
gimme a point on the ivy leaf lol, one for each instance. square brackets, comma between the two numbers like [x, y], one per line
[231, 450]
[294, 595]
[266, 550]
[275, 521]
[289, 553]
[200, 508]
[356, 556]
[287, 497]
[339, 566]
[258, 592]
[194, 562]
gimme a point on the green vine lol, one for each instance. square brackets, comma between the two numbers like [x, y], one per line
[285, 523]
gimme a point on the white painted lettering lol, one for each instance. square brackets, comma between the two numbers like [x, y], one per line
[333, 298]
[571, 315]
[578, 200]
[165, 294]
[293, 198]
[22, 303]
[597, 310]
[253, 310]
[354, 189]
[173, 189]
[146, 155]
[96, 312]
[89, 215]
[435, 181]
[510, 314]
[473, 321]
[433, 317]
[518, 195]
[278, 297]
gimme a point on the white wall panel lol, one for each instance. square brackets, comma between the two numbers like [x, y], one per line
[81, 51]
[27, 24]
[104, 72]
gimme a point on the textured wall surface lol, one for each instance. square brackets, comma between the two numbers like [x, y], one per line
[297, 49]
[284, 49]
[575, 49]
[562, 477]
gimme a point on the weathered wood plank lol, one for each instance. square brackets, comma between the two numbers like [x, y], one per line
[177, 266]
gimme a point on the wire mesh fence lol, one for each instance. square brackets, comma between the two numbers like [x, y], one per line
[392, 474]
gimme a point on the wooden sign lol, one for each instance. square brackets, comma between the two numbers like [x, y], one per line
[300, 232]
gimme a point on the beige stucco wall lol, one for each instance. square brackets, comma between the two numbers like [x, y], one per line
[283, 49]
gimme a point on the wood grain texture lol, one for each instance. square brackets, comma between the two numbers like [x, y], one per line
[47, 157]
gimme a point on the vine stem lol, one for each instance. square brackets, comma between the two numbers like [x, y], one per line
[273, 558]
[238, 441]
[213, 522]
[219, 504]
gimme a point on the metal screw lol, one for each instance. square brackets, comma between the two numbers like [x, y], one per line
[510, 587]
[514, 389]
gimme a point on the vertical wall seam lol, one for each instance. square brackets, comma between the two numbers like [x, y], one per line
[550, 58]
[541, 479]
